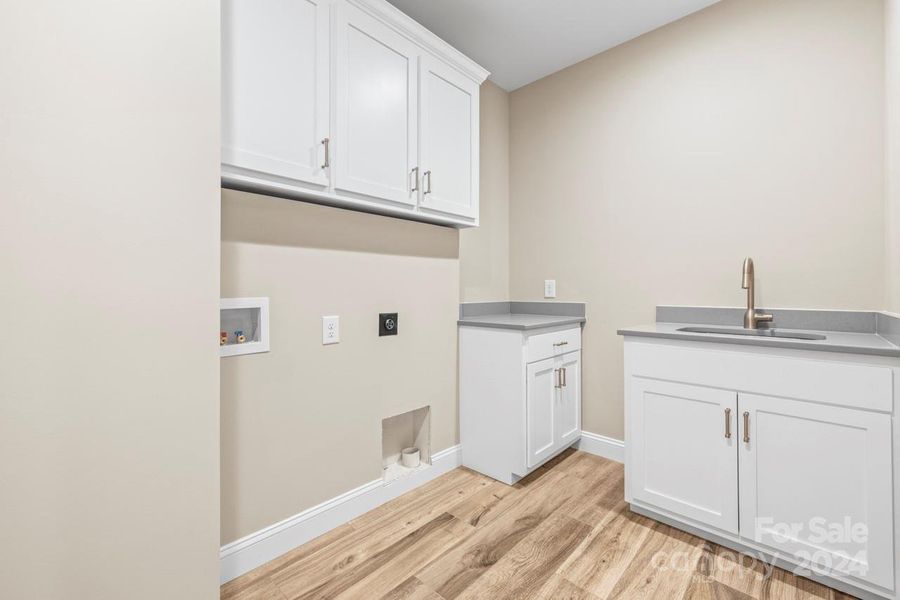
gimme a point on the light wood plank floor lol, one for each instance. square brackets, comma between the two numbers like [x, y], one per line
[562, 533]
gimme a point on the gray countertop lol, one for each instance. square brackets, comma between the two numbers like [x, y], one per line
[519, 321]
[852, 342]
[523, 316]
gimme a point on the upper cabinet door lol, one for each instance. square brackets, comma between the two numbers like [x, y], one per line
[376, 107]
[683, 441]
[815, 484]
[449, 140]
[275, 87]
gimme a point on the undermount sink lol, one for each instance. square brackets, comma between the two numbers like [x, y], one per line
[754, 332]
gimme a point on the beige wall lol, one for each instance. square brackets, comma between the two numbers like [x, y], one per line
[281, 410]
[484, 250]
[110, 225]
[284, 412]
[644, 175]
[892, 151]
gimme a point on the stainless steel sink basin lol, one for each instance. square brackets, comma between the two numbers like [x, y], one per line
[754, 332]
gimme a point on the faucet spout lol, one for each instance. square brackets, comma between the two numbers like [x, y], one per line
[747, 275]
[752, 319]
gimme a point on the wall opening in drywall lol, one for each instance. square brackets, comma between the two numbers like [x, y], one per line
[406, 443]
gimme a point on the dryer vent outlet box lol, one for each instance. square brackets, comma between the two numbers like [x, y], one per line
[387, 324]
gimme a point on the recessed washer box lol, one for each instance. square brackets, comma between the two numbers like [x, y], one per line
[243, 318]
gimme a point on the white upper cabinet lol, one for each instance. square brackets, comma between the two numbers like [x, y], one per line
[350, 103]
[275, 66]
[449, 140]
[376, 70]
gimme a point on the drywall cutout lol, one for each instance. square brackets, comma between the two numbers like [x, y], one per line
[243, 326]
[407, 430]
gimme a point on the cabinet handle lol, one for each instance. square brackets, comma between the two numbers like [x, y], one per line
[558, 374]
[746, 427]
[327, 143]
[415, 176]
[558, 344]
[428, 182]
[565, 377]
[727, 423]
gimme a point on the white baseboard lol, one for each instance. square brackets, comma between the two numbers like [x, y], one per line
[258, 548]
[601, 445]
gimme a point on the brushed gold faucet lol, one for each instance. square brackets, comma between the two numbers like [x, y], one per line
[752, 319]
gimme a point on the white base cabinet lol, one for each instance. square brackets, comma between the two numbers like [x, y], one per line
[519, 398]
[349, 103]
[789, 453]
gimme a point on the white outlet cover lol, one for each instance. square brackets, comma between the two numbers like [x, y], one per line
[331, 330]
[549, 288]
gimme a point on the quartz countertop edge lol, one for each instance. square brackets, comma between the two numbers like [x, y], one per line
[519, 321]
[835, 341]
[524, 316]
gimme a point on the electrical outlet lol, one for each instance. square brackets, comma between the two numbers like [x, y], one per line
[387, 324]
[549, 288]
[331, 330]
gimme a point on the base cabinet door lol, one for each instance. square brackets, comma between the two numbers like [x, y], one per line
[568, 406]
[683, 442]
[540, 413]
[377, 131]
[815, 484]
[275, 84]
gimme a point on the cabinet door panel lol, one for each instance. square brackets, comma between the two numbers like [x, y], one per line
[275, 88]
[682, 460]
[568, 418]
[540, 416]
[809, 469]
[376, 146]
[449, 134]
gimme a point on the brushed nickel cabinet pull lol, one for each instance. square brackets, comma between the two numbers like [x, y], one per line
[727, 423]
[558, 344]
[327, 143]
[565, 377]
[427, 175]
[746, 427]
[415, 176]
[558, 374]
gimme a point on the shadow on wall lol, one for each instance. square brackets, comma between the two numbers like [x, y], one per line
[259, 219]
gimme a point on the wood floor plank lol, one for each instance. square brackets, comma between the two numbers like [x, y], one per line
[403, 561]
[598, 565]
[603, 492]
[373, 533]
[741, 572]
[710, 589]
[563, 532]
[259, 589]
[523, 571]
[411, 589]
[558, 588]
[244, 586]
[452, 573]
[340, 583]
[662, 568]
[482, 507]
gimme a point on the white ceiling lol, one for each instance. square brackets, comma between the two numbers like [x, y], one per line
[520, 41]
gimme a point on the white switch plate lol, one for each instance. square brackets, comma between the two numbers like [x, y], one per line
[331, 330]
[549, 288]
